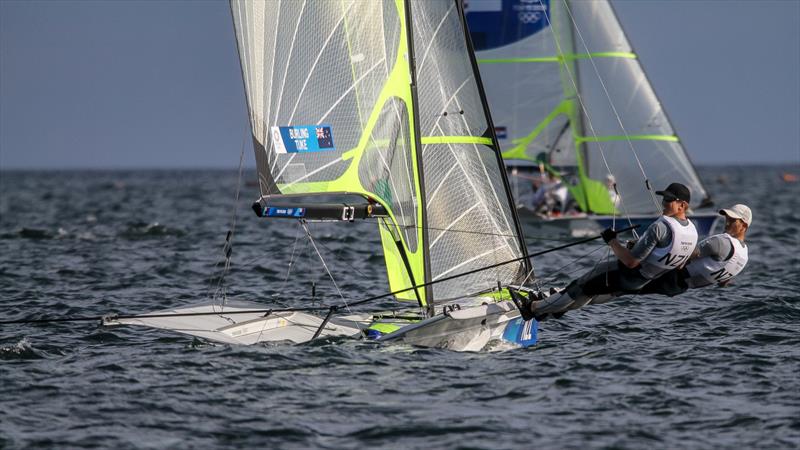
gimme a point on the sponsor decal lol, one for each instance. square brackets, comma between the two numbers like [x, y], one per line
[279, 211]
[302, 138]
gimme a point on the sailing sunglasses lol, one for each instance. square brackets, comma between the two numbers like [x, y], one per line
[665, 201]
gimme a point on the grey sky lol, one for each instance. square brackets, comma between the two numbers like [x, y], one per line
[157, 84]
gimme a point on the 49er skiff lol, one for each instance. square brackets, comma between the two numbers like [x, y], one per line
[379, 99]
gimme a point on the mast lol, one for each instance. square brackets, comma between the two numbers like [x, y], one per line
[429, 300]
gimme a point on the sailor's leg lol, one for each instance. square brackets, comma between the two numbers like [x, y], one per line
[579, 292]
[602, 281]
[671, 284]
[560, 301]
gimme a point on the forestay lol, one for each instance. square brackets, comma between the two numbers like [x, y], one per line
[355, 97]
[564, 85]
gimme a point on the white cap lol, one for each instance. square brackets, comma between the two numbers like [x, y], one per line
[738, 211]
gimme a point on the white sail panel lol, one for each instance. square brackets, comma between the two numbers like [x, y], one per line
[619, 103]
[328, 90]
[305, 66]
[470, 218]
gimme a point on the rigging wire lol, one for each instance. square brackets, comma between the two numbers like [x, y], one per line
[483, 233]
[291, 257]
[559, 271]
[324, 264]
[227, 248]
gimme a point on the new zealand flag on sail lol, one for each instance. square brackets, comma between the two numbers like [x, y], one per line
[324, 138]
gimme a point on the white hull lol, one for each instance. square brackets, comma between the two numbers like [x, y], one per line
[247, 328]
[468, 329]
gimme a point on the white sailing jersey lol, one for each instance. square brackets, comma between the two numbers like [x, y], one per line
[707, 270]
[663, 259]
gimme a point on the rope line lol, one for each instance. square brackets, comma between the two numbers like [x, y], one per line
[213, 290]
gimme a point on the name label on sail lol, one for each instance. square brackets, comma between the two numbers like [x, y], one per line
[302, 138]
[274, 211]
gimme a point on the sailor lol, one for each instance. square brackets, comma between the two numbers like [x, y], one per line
[551, 196]
[611, 182]
[666, 245]
[716, 260]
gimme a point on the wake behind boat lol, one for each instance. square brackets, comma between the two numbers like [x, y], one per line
[583, 134]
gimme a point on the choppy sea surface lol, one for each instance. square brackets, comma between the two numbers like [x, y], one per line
[714, 368]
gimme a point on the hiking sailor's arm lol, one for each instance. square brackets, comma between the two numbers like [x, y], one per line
[624, 255]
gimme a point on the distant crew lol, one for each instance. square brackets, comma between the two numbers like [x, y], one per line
[550, 196]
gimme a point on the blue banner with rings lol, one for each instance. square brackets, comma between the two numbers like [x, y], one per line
[495, 23]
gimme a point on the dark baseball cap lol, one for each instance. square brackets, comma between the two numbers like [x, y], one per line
[676, 191]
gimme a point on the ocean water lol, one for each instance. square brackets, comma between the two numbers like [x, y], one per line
[714, 368]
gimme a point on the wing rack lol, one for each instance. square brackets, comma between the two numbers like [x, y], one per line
[319, 211]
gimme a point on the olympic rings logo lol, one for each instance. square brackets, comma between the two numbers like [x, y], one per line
[529, 16]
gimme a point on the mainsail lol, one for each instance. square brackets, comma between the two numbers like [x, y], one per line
[382, 99]
[566, 89]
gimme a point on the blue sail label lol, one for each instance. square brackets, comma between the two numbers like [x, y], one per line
[303, 138]
[277, 211]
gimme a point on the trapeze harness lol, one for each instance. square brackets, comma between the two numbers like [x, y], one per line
[664, 259]
[706, 270]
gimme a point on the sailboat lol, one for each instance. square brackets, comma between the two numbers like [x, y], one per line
[380, 101]
[572, 106]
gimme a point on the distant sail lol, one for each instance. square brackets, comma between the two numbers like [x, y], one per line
[333, 109]
[547, 65]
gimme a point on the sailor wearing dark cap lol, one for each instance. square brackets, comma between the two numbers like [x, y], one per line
[666, 245]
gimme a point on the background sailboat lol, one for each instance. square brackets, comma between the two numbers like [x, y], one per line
[570, 99]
